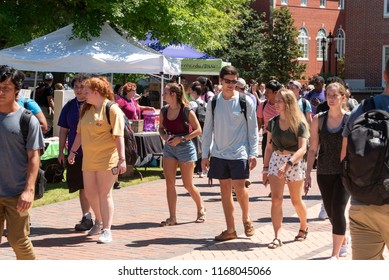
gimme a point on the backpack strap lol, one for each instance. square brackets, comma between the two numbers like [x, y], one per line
[242, 103]
[186, 117]
[304, 105]
[321, 117]
[264, 105]
[107, 108]
[24, 123]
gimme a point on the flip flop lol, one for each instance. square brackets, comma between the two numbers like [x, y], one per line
[167, 222]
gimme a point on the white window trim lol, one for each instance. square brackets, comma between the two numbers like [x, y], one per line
[386, 12]
[325, 4]
[341, 7]
[303, 4]
[284, 2]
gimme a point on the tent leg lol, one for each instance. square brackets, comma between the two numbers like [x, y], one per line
[35, 84]
[162, 88]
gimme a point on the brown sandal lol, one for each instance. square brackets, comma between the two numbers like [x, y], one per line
[201, 215]
[275, 244]
[303, 236]
[168, 222]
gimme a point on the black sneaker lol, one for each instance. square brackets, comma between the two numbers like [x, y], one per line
[116, 186]
[85, 224]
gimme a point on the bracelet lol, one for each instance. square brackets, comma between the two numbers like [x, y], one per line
[74, 152]
[266, 167]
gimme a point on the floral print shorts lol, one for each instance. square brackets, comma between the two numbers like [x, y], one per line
[296, 173]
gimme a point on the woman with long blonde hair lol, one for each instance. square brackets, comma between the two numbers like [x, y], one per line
[103, 152]
[283, 162]
[178, 131]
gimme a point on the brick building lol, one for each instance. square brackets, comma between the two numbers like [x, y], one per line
[315, 20]
[367, 45]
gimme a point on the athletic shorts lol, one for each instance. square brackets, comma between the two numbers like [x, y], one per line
[295, 173]
[74, 175]
[235, 169]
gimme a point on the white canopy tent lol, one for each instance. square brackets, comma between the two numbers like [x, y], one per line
[108, 53]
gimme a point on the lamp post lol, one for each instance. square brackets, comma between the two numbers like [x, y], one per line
[336, 54]
[329, 40]
[323, 43]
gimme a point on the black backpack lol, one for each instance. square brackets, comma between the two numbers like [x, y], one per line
[201, 112]
[131, 150]
[41, 181]
[365, 169]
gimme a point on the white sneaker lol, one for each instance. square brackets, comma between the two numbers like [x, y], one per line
[323, 214]
[105, 237]
[333, 258]
[344, 249]
[96, 229]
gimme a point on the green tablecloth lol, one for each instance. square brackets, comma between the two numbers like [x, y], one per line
[52, 151]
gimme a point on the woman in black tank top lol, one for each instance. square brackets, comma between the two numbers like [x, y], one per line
[326, 139]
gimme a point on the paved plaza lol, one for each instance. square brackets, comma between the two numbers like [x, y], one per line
[138, 236]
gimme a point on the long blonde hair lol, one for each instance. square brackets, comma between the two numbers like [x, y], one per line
[102, 86]
[292, 111]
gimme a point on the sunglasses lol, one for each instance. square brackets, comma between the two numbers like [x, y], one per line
[228, 81]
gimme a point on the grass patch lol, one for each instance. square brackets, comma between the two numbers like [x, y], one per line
[57, 192]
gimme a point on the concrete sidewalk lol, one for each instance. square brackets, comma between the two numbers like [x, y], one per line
[137, 235]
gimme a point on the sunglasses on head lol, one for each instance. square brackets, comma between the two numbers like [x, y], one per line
[228, 81]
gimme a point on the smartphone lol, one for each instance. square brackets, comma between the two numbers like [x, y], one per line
[115, 170]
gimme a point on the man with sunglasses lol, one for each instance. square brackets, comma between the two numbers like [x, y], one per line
[231, 142]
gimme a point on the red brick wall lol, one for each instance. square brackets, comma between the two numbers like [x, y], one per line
[367, 33]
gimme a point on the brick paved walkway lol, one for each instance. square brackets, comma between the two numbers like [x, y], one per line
[137, 235]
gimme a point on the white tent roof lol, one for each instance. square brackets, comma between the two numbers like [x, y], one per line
[109, 53]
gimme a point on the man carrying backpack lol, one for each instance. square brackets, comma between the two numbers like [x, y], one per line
[18, 166]
[231, 142]
[365, 177]
[44, 96]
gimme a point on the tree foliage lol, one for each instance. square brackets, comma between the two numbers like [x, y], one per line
[243, 46]
[281, 50]
[200, 23]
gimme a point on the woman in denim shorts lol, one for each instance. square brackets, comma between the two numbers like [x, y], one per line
[178, 125]
[283, 162]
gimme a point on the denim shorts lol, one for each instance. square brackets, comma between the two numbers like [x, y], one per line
[296, 173]
[235, 169]
[183, 152]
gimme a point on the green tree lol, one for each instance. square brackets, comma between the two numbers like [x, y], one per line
[244, 45]
[281, 50]
[200, 23]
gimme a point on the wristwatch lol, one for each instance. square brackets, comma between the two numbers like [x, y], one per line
[290, 162]
[183, 139]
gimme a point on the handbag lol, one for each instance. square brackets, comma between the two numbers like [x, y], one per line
[40, 184]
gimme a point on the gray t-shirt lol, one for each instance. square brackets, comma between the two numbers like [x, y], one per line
[13, 151]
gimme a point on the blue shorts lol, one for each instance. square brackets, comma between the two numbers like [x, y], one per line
[183, 152]
[235, 169]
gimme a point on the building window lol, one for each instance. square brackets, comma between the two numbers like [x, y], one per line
[386, 8]
[303, 39]
[341, 5]
[340, 42]
[284, 2]
[323, 3]
[319, 52]
[304, 2]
